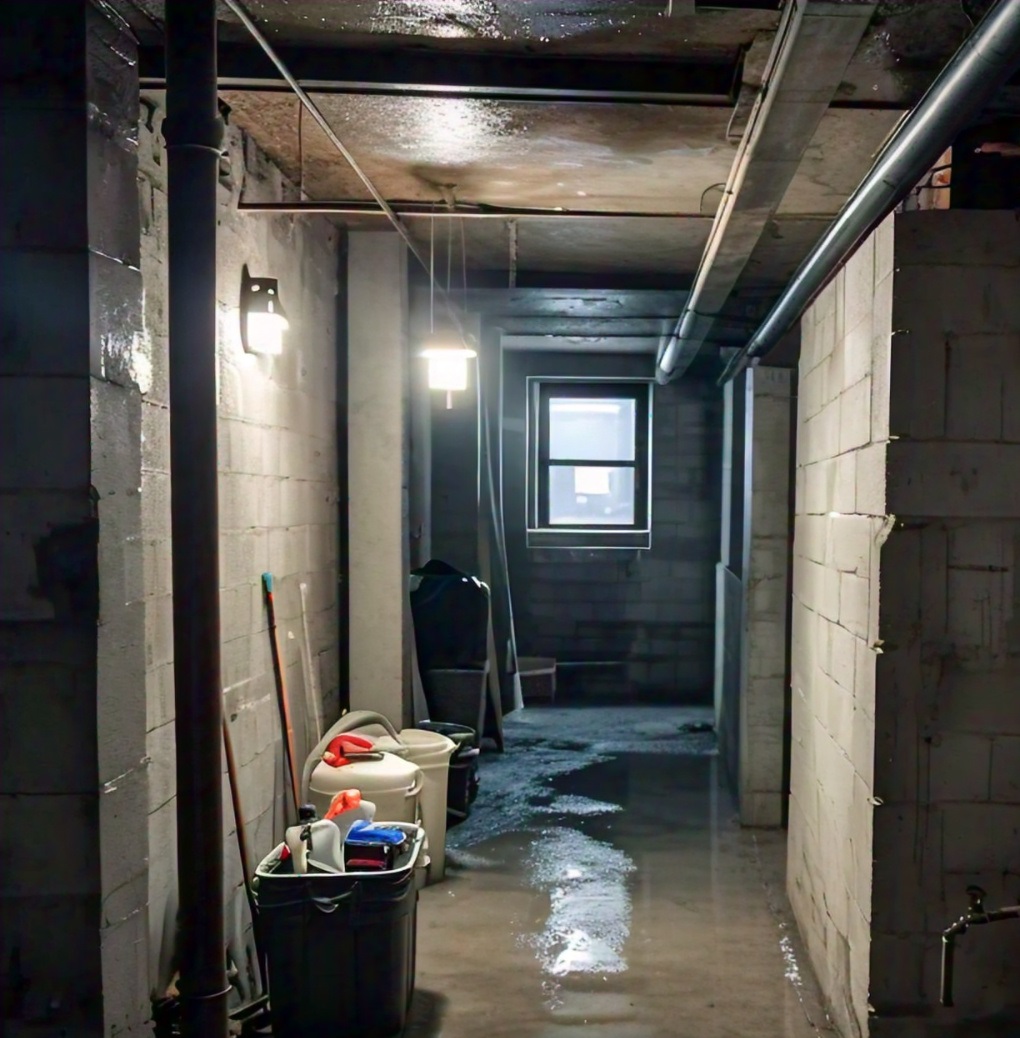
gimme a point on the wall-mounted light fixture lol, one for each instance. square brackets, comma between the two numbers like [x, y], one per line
[263, 320]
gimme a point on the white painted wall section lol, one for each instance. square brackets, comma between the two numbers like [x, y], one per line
[379, 360]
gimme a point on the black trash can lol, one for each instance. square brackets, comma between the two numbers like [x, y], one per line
[340, 948]
[462, 783]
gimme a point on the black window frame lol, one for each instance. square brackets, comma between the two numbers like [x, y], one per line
[541, 532]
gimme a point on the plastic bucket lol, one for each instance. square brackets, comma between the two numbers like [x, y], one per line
[391, 783]
[411, 757]
[432, 752]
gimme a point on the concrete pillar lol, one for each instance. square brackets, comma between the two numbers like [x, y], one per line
[752, 592]
[840, 522]
[70, 576]
[378, 380]
[766, 589]
[730, 604]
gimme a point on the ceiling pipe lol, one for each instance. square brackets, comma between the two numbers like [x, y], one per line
[354, 207]
[692, 327]
[194, 136]
[987, 58]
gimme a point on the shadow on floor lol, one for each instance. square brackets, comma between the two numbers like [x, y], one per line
[425, 1019]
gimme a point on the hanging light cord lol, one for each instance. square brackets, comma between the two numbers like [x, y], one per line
[463, 264]
[432, 275]
[313, 110]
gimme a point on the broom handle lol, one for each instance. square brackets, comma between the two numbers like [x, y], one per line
[242, 849]
[281, 691]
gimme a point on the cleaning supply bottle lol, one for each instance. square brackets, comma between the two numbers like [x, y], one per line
[314, 841]
[299, 837]
[346, 808]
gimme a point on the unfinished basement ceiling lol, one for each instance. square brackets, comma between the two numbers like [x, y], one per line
[648, 176]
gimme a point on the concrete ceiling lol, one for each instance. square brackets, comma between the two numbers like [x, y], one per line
[670, 159]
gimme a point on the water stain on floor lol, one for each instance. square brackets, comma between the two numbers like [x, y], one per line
[603, 887]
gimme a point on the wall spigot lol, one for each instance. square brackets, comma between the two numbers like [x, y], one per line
[974, 916]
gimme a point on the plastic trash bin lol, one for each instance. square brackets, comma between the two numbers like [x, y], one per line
[457, 696]
[340, 947]
[462, 781]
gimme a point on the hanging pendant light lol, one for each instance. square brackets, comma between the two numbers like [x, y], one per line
[448, 362]
[444, 348]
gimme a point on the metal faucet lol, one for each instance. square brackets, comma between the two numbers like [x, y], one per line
[974, 916]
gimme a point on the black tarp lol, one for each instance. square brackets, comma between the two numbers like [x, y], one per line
[451, 614]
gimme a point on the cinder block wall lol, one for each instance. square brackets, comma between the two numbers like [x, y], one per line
[906, 725]
[72, 907]
[767, 582]
[278, 508]
[650, 612]
[947, 756]
[840, 520]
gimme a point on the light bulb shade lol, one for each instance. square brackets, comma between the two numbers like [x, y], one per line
[448, 364]
[263, 320]
[448, 369]
[265, 333]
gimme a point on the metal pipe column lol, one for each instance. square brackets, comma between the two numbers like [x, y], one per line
[194, 134]
[987, 58]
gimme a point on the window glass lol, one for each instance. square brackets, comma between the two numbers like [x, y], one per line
[591, 429]
[590, 495]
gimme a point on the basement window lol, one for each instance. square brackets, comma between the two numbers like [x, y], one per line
[589, 463]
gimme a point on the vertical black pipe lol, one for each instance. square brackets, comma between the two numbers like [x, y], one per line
[194, 134]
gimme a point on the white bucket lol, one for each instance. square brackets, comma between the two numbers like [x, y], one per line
[432, 752]
[409, 752]
[390, 782]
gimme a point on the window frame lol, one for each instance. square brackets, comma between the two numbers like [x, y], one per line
[540, 532]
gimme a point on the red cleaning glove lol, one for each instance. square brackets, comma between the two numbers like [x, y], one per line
[344, 744]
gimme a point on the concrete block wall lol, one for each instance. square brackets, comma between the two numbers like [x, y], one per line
[839, 525]
[648, 613]
[767, 589]
[947, 715]
[277, 504]
[73, 731]
[903, 784]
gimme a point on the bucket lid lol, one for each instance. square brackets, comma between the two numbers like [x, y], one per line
[427, 747]
[386, 773]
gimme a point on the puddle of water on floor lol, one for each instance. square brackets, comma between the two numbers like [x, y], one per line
[521, 786]
[589, 904]
[584, 807]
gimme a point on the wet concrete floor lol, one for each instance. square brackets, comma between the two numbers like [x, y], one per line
[603, 887]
